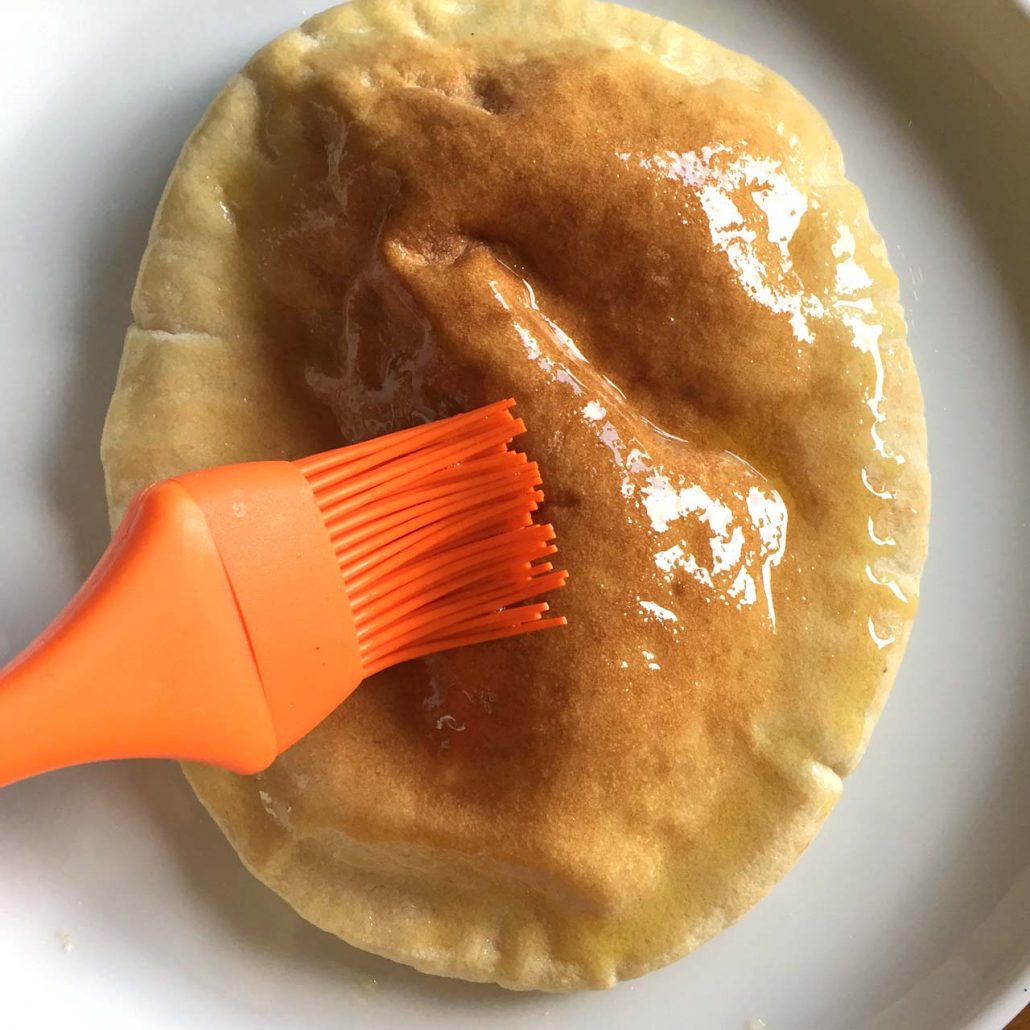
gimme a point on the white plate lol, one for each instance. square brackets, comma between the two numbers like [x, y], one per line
[121, 905]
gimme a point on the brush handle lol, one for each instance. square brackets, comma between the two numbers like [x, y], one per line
[150, 659]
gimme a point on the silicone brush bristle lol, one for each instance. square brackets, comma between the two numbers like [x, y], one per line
[434, 534]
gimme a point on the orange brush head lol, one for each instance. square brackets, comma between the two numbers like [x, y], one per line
[238, 606]
[433, 531]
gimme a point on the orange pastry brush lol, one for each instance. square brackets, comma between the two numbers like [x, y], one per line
[237, 607]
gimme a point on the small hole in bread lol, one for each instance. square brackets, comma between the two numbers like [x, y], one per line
[490, 93]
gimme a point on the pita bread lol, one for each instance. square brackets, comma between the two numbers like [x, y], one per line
[404, 209]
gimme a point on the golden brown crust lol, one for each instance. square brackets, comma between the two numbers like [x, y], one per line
[403, 208]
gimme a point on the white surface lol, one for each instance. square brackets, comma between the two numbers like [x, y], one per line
[911, 910]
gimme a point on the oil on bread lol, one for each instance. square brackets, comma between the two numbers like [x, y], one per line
[404, 209]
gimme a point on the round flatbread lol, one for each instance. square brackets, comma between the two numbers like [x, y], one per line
[405, 209]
